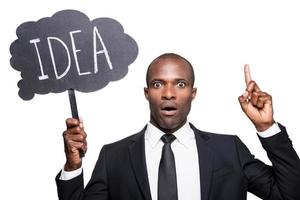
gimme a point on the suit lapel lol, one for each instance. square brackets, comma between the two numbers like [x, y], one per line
[205, 157]
[138, 161]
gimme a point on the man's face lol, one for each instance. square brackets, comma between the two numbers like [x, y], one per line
[170, 93]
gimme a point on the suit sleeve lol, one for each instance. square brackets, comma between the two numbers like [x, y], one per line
[71, 189]
[279, 181]
[96, 189]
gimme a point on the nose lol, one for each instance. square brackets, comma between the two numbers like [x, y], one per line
[169, 92]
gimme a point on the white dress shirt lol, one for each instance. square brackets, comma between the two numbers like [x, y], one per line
[186, 161]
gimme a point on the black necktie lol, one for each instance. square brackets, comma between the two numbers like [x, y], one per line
[167, 184]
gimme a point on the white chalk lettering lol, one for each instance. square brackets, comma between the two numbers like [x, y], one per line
[75, 53]
[53, 60]
[60, 70]
[43, 76]
[97, 34]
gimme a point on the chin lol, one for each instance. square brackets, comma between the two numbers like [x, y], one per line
[169, 125]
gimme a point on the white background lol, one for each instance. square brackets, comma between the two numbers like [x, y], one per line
[218, 37]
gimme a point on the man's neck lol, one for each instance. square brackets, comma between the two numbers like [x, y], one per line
[168, 131]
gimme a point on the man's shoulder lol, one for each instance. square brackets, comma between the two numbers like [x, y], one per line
[208, 135]
[224, 146]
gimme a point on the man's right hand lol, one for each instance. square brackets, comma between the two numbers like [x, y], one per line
[75, 143]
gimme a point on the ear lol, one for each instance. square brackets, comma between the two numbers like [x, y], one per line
[194, 92]
[146, 93]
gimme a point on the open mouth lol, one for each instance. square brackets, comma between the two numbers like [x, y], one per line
[169, 109]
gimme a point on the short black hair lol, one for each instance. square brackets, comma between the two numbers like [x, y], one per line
[171, 55]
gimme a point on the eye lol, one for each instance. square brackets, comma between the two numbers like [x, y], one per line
[181, 84]
[157, 84]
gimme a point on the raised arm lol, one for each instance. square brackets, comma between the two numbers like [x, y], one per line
[282, 179]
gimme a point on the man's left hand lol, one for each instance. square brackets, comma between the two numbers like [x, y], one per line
[257, 105]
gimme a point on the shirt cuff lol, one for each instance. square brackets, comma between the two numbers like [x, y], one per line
[68, 175]
[273, 130]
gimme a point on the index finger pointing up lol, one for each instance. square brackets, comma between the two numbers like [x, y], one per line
[247, 74]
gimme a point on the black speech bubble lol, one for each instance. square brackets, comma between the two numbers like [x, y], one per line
[57, 41]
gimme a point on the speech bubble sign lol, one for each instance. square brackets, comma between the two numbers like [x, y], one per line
[68, 50]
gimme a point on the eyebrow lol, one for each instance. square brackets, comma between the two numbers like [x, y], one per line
[176, 80]
[182, 79]
[156, 80]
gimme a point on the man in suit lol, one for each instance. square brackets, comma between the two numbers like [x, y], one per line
[208, 166]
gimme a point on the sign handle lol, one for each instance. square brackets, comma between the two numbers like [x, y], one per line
[74, 111]
[73, 104]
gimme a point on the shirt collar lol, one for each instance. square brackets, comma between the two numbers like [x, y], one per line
[184, 135]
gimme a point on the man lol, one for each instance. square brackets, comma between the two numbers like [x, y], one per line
[205, 165]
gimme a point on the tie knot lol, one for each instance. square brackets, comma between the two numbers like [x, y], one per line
[168, 138]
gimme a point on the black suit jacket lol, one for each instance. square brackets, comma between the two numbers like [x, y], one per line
[227, 170]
